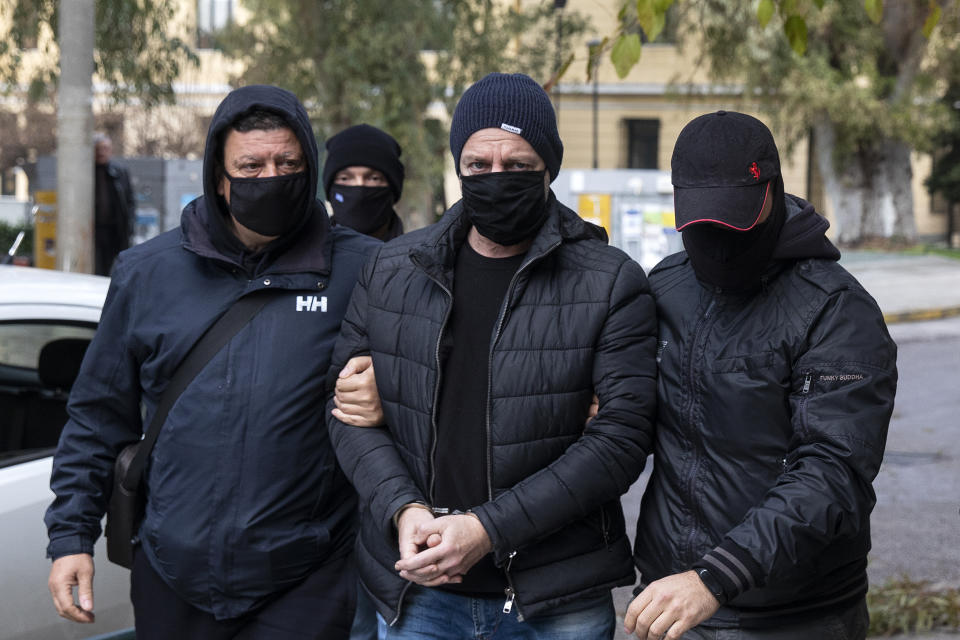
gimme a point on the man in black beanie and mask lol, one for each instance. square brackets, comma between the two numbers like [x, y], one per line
[249, 522]
[363, 179]
[489, 508]
[777, 381]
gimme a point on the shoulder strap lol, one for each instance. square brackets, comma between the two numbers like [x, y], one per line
[209, 344]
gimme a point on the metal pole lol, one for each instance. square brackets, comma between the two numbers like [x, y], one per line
[74, 137]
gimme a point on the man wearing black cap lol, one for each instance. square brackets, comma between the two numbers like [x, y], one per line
[363, 179]
[489, 508]
[249, 522]
[777, 381]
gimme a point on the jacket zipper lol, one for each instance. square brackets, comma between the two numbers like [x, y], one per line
[433, 419]
[436, 392]
[694, 440]
[604, 528]
[509, 591]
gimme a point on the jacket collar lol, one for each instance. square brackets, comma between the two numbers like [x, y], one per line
[309, 252]
[437, 254]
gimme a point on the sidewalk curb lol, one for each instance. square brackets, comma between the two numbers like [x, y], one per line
[921, 314]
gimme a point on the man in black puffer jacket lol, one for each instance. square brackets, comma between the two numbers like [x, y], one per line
[488, 502]
[777, 380]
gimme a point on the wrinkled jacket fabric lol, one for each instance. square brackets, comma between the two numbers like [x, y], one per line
[244, 495]
[577, 319]
[771, 426]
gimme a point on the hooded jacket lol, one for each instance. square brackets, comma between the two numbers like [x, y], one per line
[772, 420]
[577, 318]
[244, 495]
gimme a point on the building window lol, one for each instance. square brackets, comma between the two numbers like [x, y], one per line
[212, 16]
[643, 144]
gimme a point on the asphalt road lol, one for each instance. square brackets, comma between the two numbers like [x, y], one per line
[916, 523]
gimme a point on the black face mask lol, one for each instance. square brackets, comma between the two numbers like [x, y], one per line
[734, 260]
[363, 209]
[269, 206]
[506, 207]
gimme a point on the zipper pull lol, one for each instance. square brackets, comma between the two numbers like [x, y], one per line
[508, 605]
[806, 383]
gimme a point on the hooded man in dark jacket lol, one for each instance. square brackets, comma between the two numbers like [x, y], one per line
[249, 523]
[777, 381]
[489, 508]
[363, 180]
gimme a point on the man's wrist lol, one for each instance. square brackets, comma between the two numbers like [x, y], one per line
[409, 505]
[712, 584]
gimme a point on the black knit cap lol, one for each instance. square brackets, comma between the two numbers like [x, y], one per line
[363, 145]
[514, 103]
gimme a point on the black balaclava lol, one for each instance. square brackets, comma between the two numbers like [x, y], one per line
[735, 260]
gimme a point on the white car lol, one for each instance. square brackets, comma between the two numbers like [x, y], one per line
[46, 320]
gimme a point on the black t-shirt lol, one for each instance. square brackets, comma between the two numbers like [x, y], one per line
[479, 287]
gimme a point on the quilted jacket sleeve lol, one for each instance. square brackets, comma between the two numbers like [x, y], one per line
[610, 454]
[841, 401]
[367, 455]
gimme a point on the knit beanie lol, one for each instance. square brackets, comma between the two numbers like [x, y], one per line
[514, 103]
[364, 146]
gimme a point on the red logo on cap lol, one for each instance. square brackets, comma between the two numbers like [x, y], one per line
[755, 171]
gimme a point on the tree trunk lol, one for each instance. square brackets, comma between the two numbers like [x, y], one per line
[871, 192]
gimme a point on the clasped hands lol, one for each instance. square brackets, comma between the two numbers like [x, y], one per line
[436, 551]
[433, 551]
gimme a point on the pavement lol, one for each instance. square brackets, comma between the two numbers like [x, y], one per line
[911, 291]
[908, 288]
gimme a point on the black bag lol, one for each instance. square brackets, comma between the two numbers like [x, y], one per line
[125, 510]
[128, 500]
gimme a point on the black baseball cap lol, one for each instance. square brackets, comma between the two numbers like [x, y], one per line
[722, 170]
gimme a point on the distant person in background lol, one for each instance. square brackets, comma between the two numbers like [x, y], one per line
[363, 179]
[113, 206]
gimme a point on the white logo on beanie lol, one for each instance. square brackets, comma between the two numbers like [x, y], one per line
[510, 128]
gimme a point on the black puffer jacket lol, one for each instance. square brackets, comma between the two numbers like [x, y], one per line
[578, 317]
[771, 427]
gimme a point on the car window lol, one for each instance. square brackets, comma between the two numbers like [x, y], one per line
[38, 364]
[21, 342]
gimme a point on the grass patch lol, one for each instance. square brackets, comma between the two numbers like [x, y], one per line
[903, 605]
[927, 250]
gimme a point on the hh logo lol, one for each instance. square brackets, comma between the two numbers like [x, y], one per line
[312, 303]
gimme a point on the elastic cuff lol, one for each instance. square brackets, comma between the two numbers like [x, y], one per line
[733, 567]
[68, 546]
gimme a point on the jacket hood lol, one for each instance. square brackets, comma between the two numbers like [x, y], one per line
[238, 102]
[803, 234]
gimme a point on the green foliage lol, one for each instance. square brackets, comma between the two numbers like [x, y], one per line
[796, 29]
[626, 53]
[650, 15]
[866, 78]
[909, 606]
[353, 61]
[134, 52]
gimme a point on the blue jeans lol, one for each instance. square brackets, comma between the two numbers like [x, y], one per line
[441, 615]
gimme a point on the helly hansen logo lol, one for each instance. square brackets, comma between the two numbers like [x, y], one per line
[312, 303]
